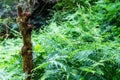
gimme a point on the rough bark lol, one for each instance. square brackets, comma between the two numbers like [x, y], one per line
[26, 50]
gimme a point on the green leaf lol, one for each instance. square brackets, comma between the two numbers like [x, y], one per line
[39, 48]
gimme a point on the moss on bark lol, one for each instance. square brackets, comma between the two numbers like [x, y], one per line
[26, 51]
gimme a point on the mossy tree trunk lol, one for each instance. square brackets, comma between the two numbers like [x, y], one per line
[26, 51]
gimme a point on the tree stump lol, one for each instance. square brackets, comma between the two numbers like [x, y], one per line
[26, 50]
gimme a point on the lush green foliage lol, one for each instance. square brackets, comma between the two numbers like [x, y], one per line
[81, 42]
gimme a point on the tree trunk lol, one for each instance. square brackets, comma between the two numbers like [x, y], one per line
[26, 51]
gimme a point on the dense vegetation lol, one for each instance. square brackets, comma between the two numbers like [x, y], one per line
[80, 42]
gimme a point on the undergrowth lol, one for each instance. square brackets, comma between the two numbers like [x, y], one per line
[81, 42]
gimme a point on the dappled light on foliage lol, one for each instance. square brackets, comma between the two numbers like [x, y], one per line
[81, 41]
